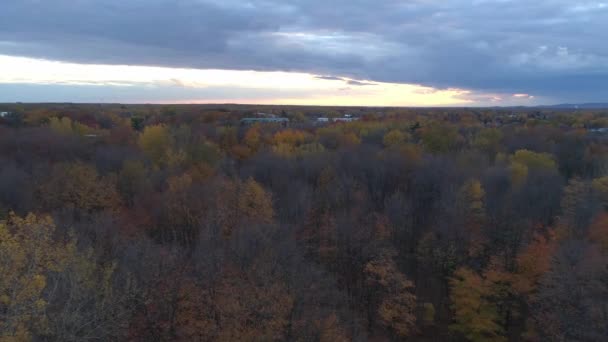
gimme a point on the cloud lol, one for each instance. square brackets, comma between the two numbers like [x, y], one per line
[345, 80]
[167, 93]
[330, 78]
[359, 83]
[546, 48]
[523, 96]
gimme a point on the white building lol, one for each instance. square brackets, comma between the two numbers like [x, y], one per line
[345, 119]
[3, 114]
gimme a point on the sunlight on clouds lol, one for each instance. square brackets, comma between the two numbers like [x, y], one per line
[234, 85]
[387, 94]
[524, 96]
[27, 70]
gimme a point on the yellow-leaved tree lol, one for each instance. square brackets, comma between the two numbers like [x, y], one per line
[79, 186]
[49, 290]
[523, 161]
[476, 316]
[472, 196]
[255, 204]
[155, 142]
[394, 138]
[27, 254]
[396, 302]
[240, 204]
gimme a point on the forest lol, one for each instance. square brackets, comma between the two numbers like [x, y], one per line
[185, 223]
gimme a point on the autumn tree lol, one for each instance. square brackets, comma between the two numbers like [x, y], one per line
[533, 262]
[252, 310]
[228, 138]
[182, 213]
[600, 186]
[332, 331]
[394, 138]
[488, 140]
[90, 300]
[131, 180]
[476, 316]
[204, 152]
[471, 200]
[571, 301]
[66, 126]
[252, 138]
[348, 140]
[50, 289]
[440, 138]
[242, 203]
[61, 125]
[524, 161]
[79, 186]
[254, 203]
[155, 142]
[578, 207]
[395, 303]
[286, 141]
[27, 255]
[598, 231]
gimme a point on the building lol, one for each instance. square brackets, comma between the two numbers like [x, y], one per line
[251, 121]
[602, 130]
[4, 114]
[346, 118]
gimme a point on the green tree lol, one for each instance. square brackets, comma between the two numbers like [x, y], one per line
[440, 138]
[488, 140]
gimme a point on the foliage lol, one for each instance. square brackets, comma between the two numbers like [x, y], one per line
[488, 140]
[397, 305]
[42, 274]
[155, 142]
[394, 138]
[440, 138]
[27, 253]
[184, 223]
[533, 160]
[79, 186]
[476, 316]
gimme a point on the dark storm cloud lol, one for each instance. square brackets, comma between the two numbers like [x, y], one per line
[553, 48]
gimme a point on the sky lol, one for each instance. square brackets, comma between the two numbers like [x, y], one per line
[309, 52]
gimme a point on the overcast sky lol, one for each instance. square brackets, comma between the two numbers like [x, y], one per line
[376, 52]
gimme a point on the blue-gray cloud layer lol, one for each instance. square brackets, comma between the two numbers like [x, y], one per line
[551, 48]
